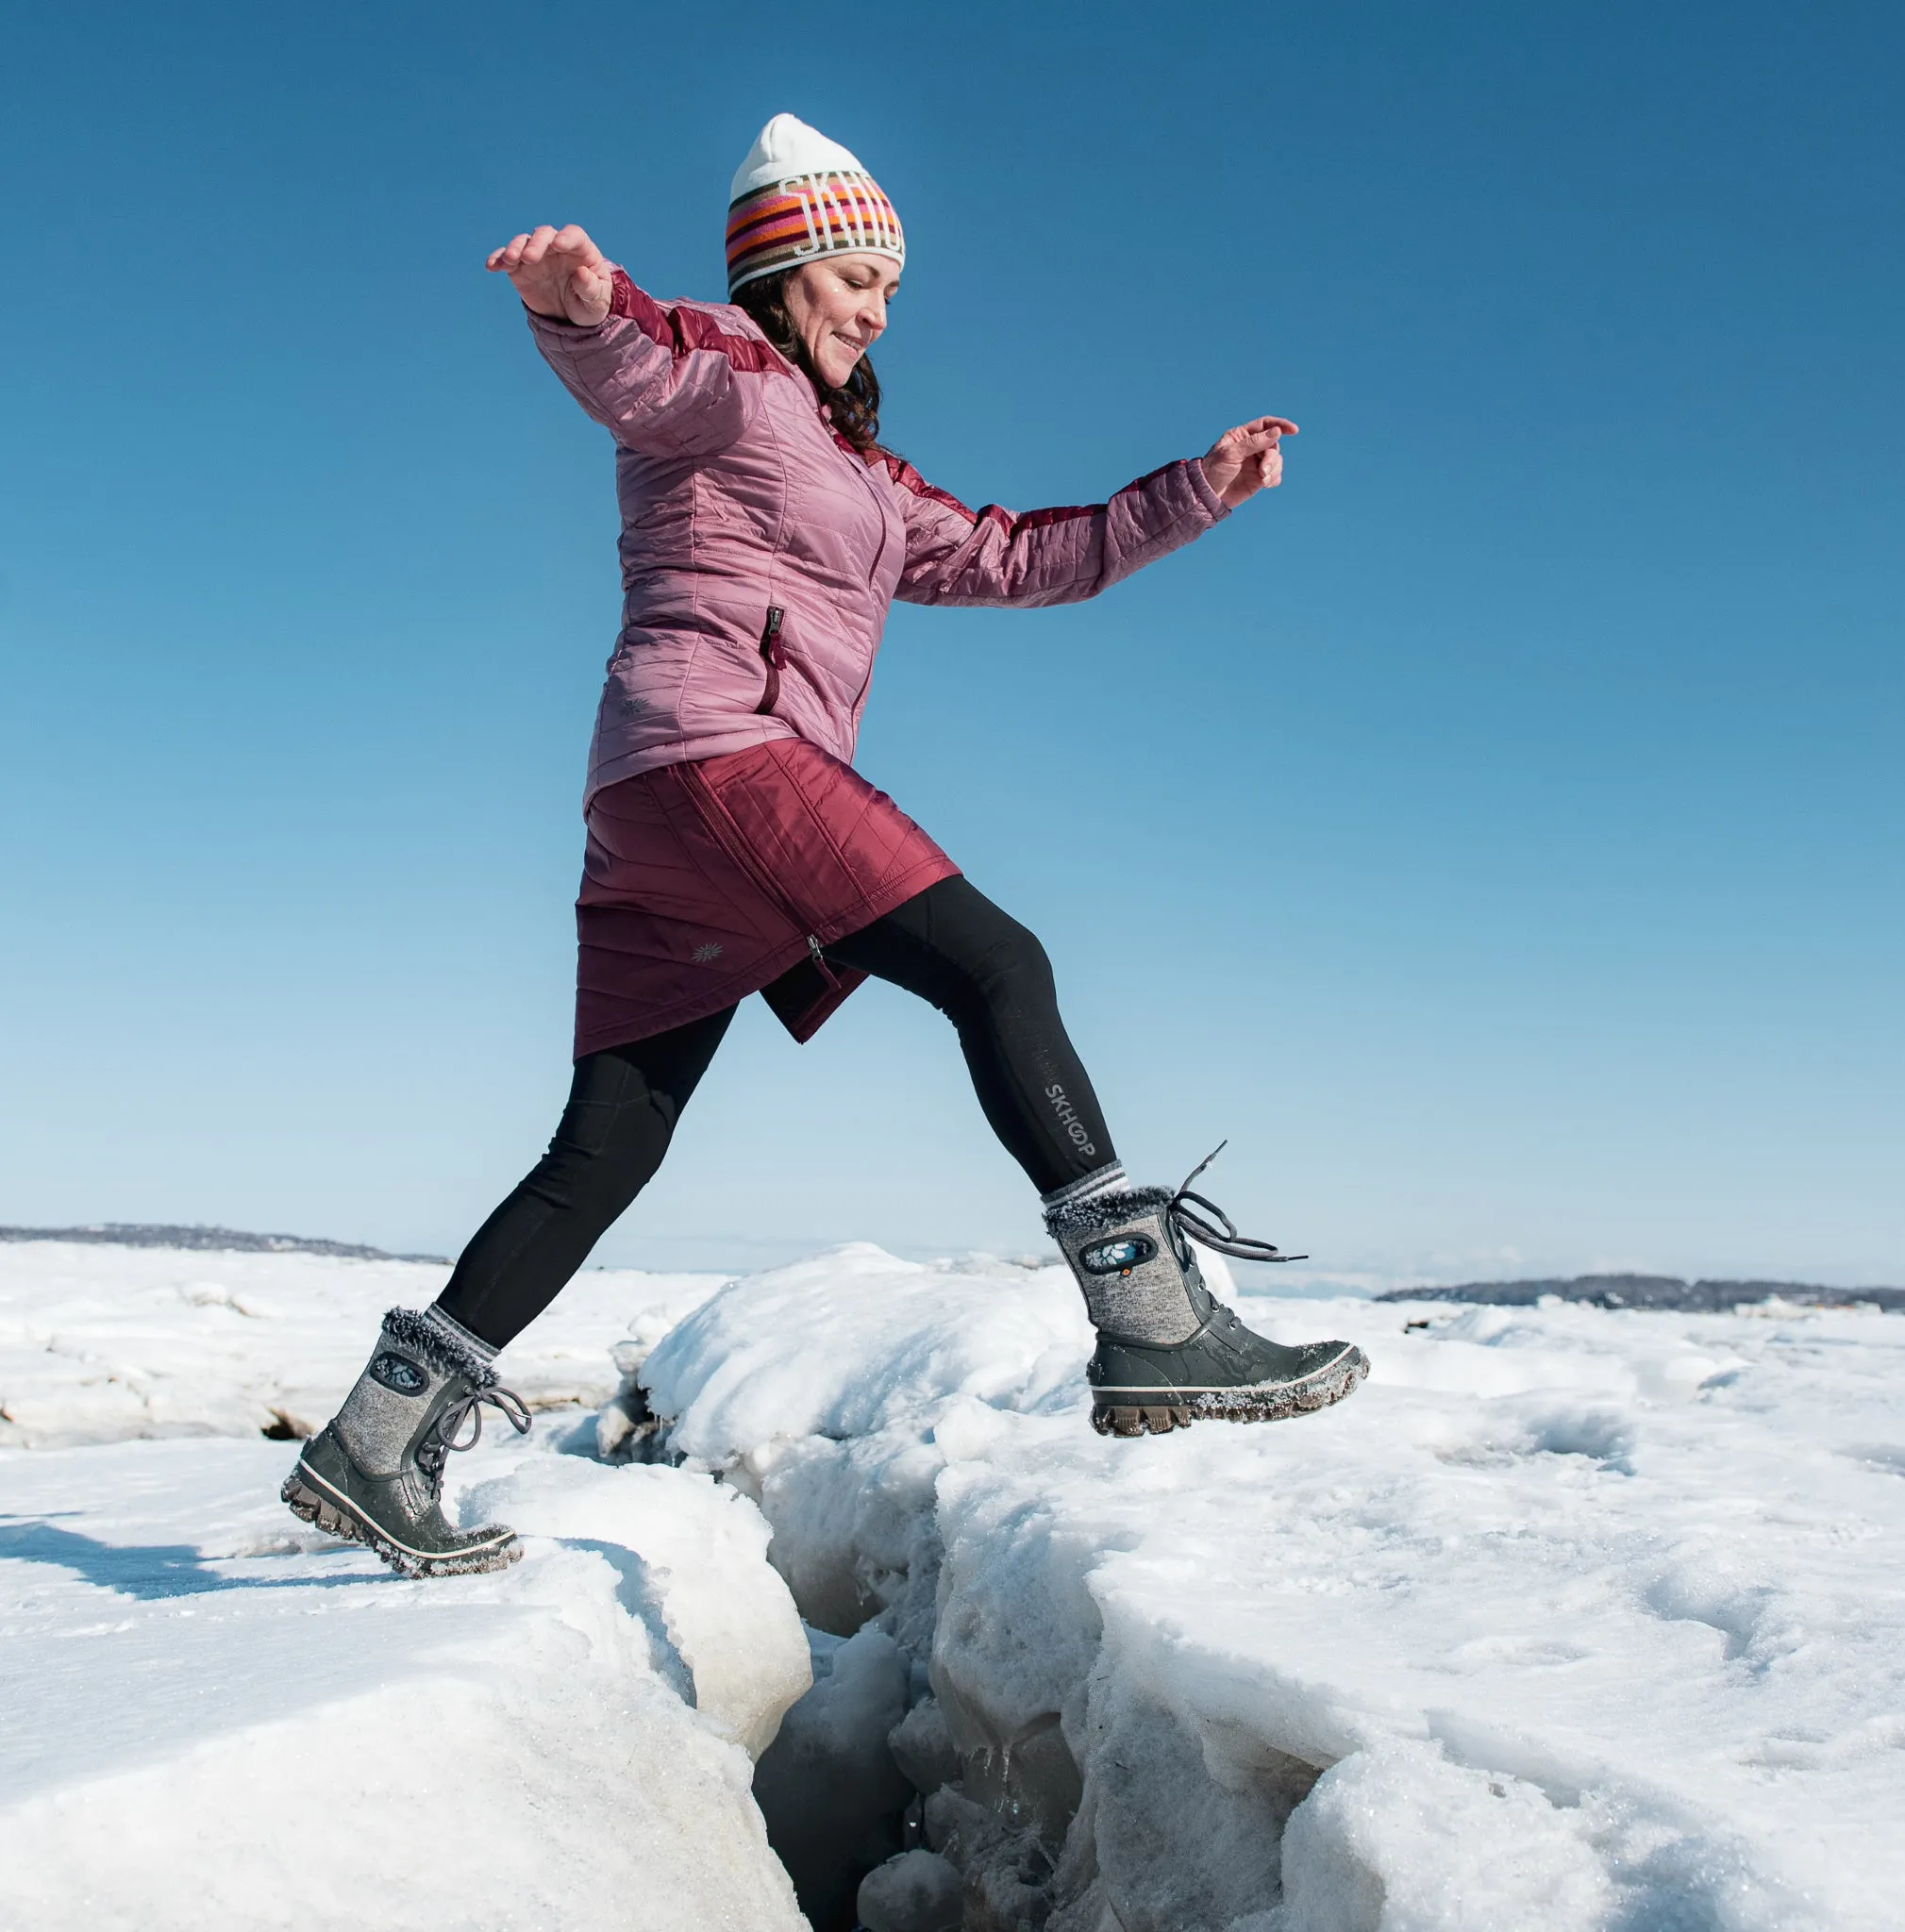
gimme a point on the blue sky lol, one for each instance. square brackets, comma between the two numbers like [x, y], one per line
[1496, 833]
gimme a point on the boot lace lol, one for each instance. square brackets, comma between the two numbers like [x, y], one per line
[1205, 1221]
[434, 1450]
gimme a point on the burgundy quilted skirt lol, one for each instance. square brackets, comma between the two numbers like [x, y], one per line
[706, 882]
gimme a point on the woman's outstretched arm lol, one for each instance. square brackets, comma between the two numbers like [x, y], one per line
[662, 381]
[957, 555]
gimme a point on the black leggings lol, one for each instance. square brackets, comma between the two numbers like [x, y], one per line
[950, 944]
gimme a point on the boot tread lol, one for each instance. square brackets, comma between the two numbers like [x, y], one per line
[337, 1516]
[1158, 1411]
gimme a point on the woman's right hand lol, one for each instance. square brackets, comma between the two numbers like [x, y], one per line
[559, 272]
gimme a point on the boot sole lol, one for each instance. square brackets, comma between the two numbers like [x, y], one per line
[312, 1500]
[1156, 1411]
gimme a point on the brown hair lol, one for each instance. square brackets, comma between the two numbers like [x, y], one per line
[855, 406]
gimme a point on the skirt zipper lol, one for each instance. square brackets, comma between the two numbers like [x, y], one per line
[728, 834]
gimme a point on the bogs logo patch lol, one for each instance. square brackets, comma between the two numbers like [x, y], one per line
[399, 1373]
[1118, 1256]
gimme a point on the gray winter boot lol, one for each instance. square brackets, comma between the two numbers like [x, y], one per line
[1168, 1352]
[375, 1473]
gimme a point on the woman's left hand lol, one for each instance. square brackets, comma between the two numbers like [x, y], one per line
[1245, 459]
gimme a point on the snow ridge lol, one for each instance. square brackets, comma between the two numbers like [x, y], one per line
[1573, 1617]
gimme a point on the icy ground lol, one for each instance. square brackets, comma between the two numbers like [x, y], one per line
[217, 1718]
[1570, 1618]
[98, 1345]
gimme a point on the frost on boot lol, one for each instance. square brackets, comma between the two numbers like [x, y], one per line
[375, 1473]
[1169, 1353]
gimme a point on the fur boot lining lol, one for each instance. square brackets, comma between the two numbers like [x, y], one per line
[409, 1330]
[1106, 1211]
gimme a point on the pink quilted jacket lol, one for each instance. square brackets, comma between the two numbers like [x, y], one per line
[760, 553]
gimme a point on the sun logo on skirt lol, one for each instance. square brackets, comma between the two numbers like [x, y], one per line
[701, 954]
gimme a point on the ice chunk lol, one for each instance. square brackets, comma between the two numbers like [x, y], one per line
[852, 1340]
[922, 1748]
[689, 1556]
[287, 1735]
[917, 1892]
[1398, 1840]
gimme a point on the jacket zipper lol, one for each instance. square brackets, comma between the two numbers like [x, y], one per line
[865, 471]
[727, 833]
[773, 656]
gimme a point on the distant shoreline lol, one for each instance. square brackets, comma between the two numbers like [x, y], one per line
[140, 1234]
[1665, 1292]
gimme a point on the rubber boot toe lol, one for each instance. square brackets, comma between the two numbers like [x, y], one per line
[1224, 1372]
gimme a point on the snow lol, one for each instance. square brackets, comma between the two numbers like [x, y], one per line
[99, 1343]
[1586, 1618]
[216, 1717]
[1571, 1618]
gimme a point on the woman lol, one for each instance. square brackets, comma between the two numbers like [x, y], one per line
[732, 848]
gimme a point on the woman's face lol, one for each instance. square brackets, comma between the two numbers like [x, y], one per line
[838, 308]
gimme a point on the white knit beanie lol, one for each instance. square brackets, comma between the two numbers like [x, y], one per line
[798, 195]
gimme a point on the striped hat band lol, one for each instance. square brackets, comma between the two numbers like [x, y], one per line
[832, 212]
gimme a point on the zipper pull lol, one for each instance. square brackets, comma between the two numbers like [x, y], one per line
[821, 966]
[773, 656]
